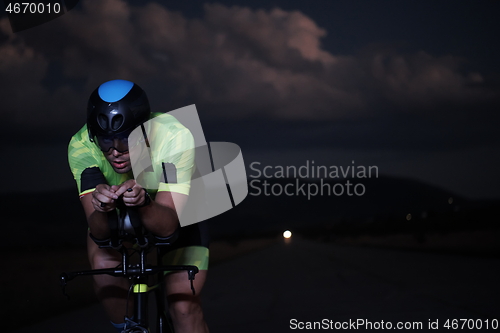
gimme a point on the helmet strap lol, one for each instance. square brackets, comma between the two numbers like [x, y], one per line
[91, 137]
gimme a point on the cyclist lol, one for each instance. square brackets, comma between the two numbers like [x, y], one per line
[100, 162]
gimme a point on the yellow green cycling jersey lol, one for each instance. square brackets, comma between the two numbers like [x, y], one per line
[170, 144]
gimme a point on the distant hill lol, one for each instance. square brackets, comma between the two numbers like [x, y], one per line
[386, 199]
[56, 218]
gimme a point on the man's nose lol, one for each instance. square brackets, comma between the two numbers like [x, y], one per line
[116, 152]
[119, 147]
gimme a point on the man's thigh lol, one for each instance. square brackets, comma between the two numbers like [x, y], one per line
[102, 258]
[178, 286]
[177, 282]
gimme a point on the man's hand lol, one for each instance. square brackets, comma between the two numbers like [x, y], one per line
[104, 198]
[133, 194]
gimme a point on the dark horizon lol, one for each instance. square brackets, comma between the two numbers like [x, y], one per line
[383, 209]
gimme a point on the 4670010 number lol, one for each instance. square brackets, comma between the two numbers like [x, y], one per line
[33, 8]
[472, 324]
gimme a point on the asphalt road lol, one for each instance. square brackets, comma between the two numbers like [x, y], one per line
[288, 286]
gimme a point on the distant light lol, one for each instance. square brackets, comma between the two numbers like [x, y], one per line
[408, 217]
[450, 200]
[287, 234]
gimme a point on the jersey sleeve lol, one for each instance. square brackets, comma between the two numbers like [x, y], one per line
[177, 163]
[83, 163]
[170, 153]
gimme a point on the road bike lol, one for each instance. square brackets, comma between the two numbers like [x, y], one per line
[141, 244]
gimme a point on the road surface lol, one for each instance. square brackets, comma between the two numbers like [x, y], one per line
[293, 285]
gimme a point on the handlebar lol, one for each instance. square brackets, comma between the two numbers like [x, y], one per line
[115, 241]
[135, 271]
[132, 271]
[118, 234]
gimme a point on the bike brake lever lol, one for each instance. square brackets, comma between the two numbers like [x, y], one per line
[191, 275]
[64, 283]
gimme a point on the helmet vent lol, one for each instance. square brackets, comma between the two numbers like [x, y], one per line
[103, 121]
[117, 122]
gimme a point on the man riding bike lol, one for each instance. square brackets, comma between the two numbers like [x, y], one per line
[100, 162]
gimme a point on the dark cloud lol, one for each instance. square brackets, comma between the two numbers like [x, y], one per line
[240, 61]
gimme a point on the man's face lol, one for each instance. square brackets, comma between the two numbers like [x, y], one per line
[119, 161]
[115, 149]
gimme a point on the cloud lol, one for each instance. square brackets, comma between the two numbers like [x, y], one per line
[423, 80]
[236, 61]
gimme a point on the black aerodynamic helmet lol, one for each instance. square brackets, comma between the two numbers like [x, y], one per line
[115, 108]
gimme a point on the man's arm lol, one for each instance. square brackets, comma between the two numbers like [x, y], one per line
[159, 217]
[96, 206]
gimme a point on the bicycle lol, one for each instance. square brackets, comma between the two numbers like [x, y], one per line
[138, 273]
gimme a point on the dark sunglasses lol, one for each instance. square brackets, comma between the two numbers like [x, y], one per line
[118, 142]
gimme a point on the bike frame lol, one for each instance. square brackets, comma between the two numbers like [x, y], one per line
[138, 274]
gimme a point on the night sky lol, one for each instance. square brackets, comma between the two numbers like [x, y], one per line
[409, 86]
